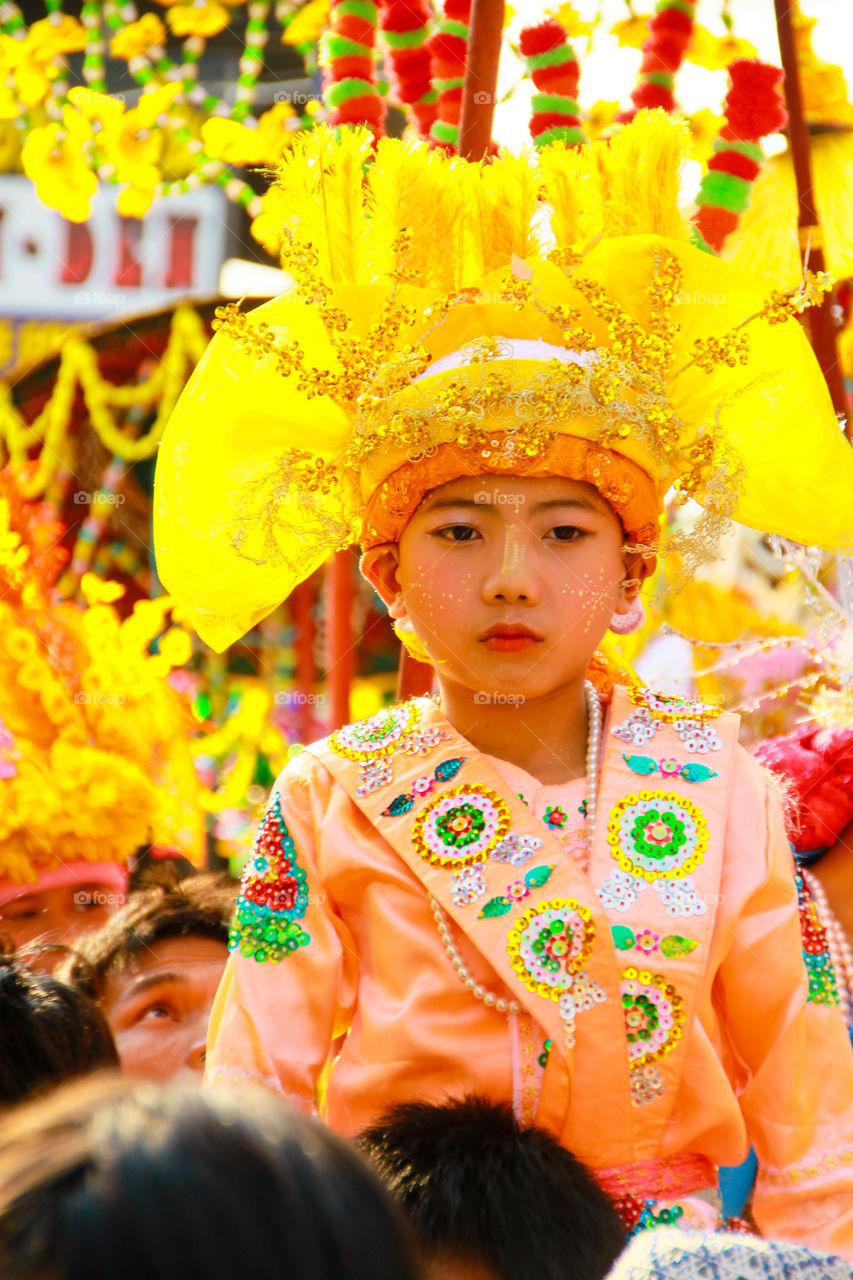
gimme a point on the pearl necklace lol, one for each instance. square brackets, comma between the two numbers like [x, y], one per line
[466, 977]
[840, 951]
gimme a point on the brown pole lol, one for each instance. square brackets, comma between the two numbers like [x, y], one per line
[820, 322]
[479, 91]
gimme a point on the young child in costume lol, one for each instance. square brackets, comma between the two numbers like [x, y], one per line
[94, 759]
[541, 887]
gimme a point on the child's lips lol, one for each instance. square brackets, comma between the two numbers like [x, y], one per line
[509, 639]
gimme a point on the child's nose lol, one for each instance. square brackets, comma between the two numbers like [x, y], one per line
[513, 577]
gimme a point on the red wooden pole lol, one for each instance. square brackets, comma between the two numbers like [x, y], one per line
[479, 91]
[340, 641]
[301, 605]
[821, 325]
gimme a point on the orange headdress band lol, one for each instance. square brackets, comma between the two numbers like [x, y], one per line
[628, 489]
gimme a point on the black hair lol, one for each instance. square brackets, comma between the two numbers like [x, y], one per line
[107, 1179]
[198, 906]
[48, 1031]
[476, 1184]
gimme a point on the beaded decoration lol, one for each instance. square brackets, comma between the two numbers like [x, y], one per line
[535, 878]
[670, 708]
[376, 736]
[654, 1023]
[372, 741]
[273, 895]
[548, 947]
[690, 772]
[468, 884]
[516, 850]
[461, 827]
[823, 986]
[672, 945]
[443, 772]
[641, 726]
[657, 834]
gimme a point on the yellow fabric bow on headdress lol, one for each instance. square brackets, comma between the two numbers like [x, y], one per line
[448, 306]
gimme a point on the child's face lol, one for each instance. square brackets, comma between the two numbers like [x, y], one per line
[510, 583]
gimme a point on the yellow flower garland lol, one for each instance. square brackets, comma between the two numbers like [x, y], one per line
[79, 367]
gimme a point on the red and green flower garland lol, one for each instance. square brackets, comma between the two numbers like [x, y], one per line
[670, 32]
[449, 50]
[754, 107]
[351, 92]
[555, 72]
[405, 28]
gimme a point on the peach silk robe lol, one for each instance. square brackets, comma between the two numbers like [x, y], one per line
[748, 1057]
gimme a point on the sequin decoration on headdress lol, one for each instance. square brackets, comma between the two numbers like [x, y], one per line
[489, 311]
[94, 753]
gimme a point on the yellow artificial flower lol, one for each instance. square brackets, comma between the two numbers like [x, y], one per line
[175, 647]
[68, 35]
[30, 63]
[716, 52]
[631, 32]
[308, 24]
[704, 128]
[178, 161]
[600, 117]
[10, 144]
[266, 227]
[96, 591]
[155, 103]
[570, 21]
[137, 38]
[233, 142]
[92, 104]
[53, 160]
[205, 19]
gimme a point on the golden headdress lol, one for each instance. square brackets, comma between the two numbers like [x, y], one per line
[94, 752]
[488, 311]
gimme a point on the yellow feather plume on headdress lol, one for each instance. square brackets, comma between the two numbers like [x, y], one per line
[463, 220]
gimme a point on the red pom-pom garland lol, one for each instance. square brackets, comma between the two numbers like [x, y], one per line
[555, 73]
[754, 107]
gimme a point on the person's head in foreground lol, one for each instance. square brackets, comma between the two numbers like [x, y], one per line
[493, 410]
[107, 1179]
[94, 761]
[48, 1032]
[490, 1199]
[668, 1254]
[154, 969]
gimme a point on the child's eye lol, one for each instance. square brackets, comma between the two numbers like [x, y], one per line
[567, 533]
[458, 533]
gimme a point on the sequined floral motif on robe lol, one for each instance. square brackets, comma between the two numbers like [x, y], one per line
[657, 838]
[273, 895]
[654, 1023]
[548, 947]
[372, 742]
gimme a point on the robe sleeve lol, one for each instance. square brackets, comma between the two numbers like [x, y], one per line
[274, 1020]
[792, 1056]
